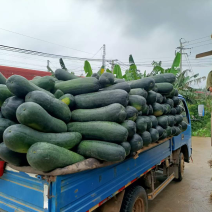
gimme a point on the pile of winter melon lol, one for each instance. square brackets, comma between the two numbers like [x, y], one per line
[54, 121]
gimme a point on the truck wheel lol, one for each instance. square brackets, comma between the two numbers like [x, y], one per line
[181, 167]
[135, 200]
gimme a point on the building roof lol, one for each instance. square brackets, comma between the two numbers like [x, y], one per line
[27, 73]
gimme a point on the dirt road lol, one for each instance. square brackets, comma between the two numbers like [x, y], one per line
[192, 194]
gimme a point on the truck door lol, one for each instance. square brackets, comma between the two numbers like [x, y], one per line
[186, 135]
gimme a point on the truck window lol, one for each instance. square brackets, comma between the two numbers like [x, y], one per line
[184, 113]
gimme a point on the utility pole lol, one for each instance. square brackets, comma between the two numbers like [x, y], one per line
[103, 57]
[112, 65]
[181, 53]
[181, 47]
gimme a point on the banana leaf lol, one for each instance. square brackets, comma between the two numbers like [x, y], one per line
[62, 64]
[87, 68]
[117, 71]
[176, 62]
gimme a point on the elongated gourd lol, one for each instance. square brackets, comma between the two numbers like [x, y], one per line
[132, 113]
[10, 106]
[114, 113]
[78, 86]
[100, 130]
[53, 106]
[137, 102]
[101, 150]
[122, 85]
[14, 158]
[101, 99]
[146, 83]
[64, 75]
[46, 82]
[58, 157]
[4, 94]
[19, 138]
[69, 100]
[2, 79]
[34, 116]
[106, 79]
[4, 124]
[20, 86]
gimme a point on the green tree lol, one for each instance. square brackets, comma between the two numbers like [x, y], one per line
[201, 126]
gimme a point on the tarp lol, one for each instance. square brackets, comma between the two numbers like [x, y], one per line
[87, 164]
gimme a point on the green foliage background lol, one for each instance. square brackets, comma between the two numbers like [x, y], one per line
[201, 126]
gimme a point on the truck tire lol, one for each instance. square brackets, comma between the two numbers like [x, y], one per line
[181, 167]
[135, 200]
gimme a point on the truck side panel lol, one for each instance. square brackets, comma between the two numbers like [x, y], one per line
[20, 192]
[82, 191]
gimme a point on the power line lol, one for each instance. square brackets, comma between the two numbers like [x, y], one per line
[120, 62]
[96, 53]
[52, 64]
[23, 63]
[31, 52]
[197, 42]
[150, 61]
[43, 40]
[201, 45]
[197, 39]
[150, 58]
[191, 68]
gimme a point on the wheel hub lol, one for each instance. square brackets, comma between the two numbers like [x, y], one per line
[138, 205]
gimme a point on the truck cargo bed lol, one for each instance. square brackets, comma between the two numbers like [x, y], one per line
[79, 192]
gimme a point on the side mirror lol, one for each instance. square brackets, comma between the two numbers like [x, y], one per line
[201, 110]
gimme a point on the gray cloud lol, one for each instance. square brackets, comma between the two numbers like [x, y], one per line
[140, 18]
[149, 30]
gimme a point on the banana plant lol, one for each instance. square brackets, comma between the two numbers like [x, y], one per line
[101, 70]
[176, 63]
[183, 84]
[63, 64]
[117, 71]
[49, 69]
[87, 68]
[132, 73]
[157, 66]
[108, 70]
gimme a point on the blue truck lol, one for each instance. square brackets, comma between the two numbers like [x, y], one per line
[124, 186]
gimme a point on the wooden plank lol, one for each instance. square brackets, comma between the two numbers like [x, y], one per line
[204, 54]
[150, 146]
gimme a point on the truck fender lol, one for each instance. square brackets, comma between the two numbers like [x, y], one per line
[184, 150]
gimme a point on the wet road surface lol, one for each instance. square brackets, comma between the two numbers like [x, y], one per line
[192, 194]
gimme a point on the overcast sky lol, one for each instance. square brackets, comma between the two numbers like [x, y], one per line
[149, 30]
